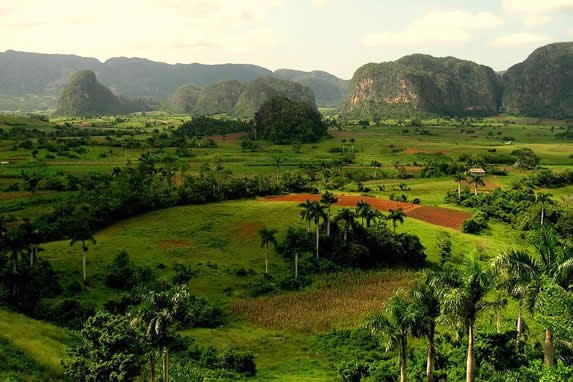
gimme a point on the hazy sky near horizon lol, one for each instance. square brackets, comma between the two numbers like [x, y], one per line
[337, 36]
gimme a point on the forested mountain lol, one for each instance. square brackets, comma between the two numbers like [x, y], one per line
[424, 84]
[329, 90]
[542, 85]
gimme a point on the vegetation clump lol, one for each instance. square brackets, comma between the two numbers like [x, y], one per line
[283, 121]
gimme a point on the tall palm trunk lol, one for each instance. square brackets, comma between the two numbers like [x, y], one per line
[542, 213]
[475, 188]
[84, 261]
[308, 226]
[431, 355]
[459, 190]
[328, 222]
[152, 366]
[498, 320]
[548, 353]
[317, 239]
[296, 266]
[165, 373]
[403, 368]
[470, 364]
[267, 259]
[519, 323]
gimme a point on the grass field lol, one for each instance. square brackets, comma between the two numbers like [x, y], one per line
[220, 242]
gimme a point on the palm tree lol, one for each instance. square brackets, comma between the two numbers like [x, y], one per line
[343, 144]
[277, 161]
[157, 313]
[346, 216]
[394, 327]
[360, 207]
[267, 238]
[477, 181]
[462, 293]
[82, 233]
[317, 213]
[376, 166]
[543, 198]
[459, 178]
[427, 306]
[369, 214]
[329, 199]
[352, 140]
[396, 216]
[305, 213]
[551, 261]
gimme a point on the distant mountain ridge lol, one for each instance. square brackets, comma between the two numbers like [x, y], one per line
[34, 79]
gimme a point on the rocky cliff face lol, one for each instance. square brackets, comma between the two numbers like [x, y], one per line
[542, 85]
[424, 84]
[83, 95]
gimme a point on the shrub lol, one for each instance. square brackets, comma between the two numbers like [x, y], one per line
[240, 361]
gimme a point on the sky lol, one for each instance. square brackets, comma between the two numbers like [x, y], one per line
[337, 36]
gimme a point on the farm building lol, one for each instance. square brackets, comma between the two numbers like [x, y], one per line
[476, 171]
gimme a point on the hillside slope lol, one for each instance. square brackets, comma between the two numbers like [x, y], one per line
[542, 85]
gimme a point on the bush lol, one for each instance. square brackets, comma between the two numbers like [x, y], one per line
[240, 361]
[475, 224]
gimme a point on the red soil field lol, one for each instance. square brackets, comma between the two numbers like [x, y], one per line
[443, 217]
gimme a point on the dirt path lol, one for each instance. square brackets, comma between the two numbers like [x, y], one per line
[443, 217]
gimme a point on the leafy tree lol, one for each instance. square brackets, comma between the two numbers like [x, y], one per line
[552, 262]
[267, 236]
[329, 199]
[444, 244]
[462, 297]
[526, 158]
[109, 351]
[394, 327]
[283, 121]
[396, 216]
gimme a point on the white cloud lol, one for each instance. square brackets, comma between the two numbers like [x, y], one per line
[443, 27]
[570, 32]
[537, 20]
[320, 3]
[536, 6]
[520, 39]
[167, 30]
